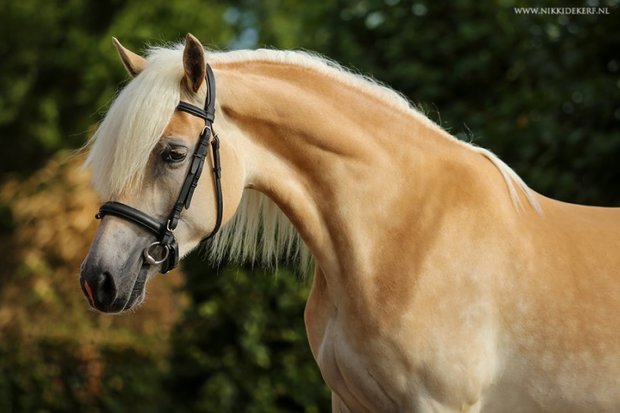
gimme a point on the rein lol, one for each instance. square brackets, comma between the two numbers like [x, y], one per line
[168, 255]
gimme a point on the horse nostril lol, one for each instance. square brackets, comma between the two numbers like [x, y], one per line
[105, 288]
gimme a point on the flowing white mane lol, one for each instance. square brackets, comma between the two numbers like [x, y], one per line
[121, 146]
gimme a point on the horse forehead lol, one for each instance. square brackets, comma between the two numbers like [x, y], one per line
[184, 125]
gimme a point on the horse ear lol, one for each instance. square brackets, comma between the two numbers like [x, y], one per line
[133, 63]
[193, 63]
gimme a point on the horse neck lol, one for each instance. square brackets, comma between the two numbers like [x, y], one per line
[346, 167]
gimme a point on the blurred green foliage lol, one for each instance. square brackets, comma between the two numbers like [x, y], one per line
[59, 70]
[543, 92]
[242, 345]
[58, 375]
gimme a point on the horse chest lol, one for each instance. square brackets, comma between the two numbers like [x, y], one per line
[350, 373]
[415, 369]
[365, 382]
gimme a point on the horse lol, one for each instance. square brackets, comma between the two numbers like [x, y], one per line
[441, 282]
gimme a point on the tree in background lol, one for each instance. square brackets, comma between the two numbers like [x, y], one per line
[59, 70]
[542, 91]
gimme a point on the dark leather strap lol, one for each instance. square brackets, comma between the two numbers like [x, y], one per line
[138, 217]
[186, 193]
[210, 103]
[192, 110]
[131, 214]
[217, 172]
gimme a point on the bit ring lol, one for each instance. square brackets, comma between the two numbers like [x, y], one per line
[148, 257]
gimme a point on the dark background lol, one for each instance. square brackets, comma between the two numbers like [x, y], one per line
[541, 91]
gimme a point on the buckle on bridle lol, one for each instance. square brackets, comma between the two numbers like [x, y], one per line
[150, 259]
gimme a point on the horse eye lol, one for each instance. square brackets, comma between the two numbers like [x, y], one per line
[174, 154]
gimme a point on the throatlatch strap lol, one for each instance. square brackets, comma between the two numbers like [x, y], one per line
[217, 172]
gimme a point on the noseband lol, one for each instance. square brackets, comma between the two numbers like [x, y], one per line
[165, 250]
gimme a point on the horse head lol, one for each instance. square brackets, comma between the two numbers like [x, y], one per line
[146, 157]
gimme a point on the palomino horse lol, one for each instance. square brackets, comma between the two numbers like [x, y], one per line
[442, 283]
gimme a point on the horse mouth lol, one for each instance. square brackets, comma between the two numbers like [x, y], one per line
[123, 301]
[137, 294]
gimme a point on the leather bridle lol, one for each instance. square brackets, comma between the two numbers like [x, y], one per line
[165, 250]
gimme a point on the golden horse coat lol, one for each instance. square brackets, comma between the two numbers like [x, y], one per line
[442, 283]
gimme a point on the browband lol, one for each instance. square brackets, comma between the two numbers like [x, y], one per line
[191, 109]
